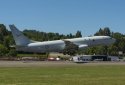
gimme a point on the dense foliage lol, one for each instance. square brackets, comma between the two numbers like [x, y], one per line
[118, 48]
[70, 48]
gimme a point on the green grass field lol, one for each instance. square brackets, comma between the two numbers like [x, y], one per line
[63, 75]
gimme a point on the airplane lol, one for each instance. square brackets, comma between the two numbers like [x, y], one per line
[26, 45]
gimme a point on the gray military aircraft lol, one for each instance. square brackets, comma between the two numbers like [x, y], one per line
[27, 45]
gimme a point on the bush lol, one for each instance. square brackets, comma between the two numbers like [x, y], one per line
[3, 50]
[12, 53]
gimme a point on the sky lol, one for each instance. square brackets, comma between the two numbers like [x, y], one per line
[64, 16]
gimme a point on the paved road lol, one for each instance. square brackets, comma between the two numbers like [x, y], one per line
[52, 63]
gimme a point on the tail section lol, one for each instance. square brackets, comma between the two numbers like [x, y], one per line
[19, 37]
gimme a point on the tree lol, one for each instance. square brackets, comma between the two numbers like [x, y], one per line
[78, 34]
[70, 48]
[3, 30]
[12, 53]
[6, 42]
[1, 39]
[3, 33]
[100, 32]
[107, 31]
[101, 50]
[3, 50]
[113, 50]
[90, 50]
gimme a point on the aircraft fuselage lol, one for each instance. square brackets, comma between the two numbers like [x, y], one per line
[59, 45]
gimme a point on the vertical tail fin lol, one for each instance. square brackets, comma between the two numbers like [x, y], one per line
[19, 37]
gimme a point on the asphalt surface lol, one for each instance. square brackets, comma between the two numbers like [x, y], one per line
[53, 63]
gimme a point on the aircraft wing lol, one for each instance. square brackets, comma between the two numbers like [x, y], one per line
[81, 46]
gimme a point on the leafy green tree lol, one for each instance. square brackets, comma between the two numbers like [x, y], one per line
[100, 32]
[3, 50]
[70, 48]
[12, 53]
[122, 45]
[78, 34]
[101, 50]
[113, 50]
[1, 39]
[6, 42]
[3, 33]
[91, 50]
[107, 31]
[3, 30]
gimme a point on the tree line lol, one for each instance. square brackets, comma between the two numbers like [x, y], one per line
[118, 48]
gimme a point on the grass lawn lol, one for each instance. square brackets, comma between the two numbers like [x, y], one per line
[63, 75]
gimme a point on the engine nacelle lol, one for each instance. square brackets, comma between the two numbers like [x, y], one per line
[83, 46]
